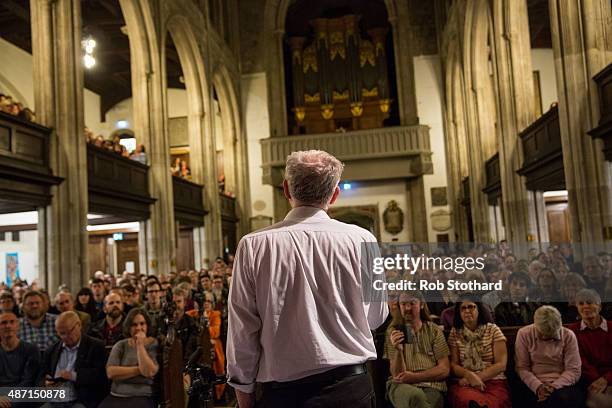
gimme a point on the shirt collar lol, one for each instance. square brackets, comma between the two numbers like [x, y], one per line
[305, 211]
[75, 348]
[603, 325]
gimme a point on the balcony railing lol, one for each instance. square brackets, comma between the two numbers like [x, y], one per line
[604, 127]
[25, 175]
[117, 185]
[493, 188]
[188, 202]
[392, 145]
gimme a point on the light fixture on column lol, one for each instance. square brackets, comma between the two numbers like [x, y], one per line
[88, 44]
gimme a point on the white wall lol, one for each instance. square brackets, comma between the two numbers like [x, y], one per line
[378, 193]
[27, 250]
[257, 126]
[429, 95]
[177, 103]
[542, 60]
[16, 79]
[16, 76]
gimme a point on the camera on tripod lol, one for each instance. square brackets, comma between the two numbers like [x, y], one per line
[203, 378]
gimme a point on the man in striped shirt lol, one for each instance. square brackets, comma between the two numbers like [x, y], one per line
[418, 354]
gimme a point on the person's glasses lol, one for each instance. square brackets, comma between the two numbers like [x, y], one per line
[468, 307]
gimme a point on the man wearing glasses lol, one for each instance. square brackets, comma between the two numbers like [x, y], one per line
[76, 362]
[153, 304]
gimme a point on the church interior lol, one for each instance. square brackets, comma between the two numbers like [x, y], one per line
[146, 138]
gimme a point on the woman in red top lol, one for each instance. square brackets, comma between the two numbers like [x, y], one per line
[594, 336]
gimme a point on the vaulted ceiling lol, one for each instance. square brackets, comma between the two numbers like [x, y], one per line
[103, 20]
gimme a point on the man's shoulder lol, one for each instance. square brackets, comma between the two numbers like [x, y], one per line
[92, 342]
[28, 348]
[323, 225]
[525, 331]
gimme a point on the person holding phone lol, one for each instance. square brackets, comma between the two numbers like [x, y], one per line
[76, 363]
[132, 364]
[418, 354]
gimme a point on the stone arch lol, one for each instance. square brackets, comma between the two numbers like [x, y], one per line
[157, 242]
[480, 107]
[455, 135]
[274, 28]
[234, 137]
[181, 27]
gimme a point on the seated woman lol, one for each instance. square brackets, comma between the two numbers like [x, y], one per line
[132, 364]
[594, 343]
[214, 327]
[478, 359]
[548, 361]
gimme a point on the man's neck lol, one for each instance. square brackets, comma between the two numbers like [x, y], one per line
[594, 322]
[9, 343]
[99, 299]
[416, 324]
[36, 322]
[113, 322]
[155, 307]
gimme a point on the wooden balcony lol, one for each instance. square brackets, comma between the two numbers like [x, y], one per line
[372, 154]
[604, 128]
[543, 154]
[493, 189]
[117, 185]
[466, 200]
[229, 219]
[188, 202]
[25, 175]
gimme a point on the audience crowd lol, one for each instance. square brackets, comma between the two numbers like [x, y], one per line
[543, 341]
[101, 343]
[113, 145]
[7, 105]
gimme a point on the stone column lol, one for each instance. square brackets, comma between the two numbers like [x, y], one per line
[58, 95]
[281, 205]
[276, 85]
[417, 219]
[512, 60]
[404, 64]
[582, 46]
[159, 241]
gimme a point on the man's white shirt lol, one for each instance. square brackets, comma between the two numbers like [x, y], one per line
[296, 306]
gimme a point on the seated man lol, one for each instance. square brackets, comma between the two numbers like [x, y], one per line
[595, 342]
[109, 329]
[516, 311]
[186, 327]
[37, 326]
[419, 363]
[19, 361]
[65, 303]
[548, 361]
[78, 360]
[153, 304]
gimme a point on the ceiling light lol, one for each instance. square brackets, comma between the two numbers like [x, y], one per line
[89, 61]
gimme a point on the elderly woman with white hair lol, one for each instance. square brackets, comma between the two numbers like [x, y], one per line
[548, 361]
[595, 343]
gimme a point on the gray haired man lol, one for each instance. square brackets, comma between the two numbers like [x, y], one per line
[298, 321]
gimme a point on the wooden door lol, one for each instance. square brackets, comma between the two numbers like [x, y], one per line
[98, 254]
[185, 258]
[127, 251]
[557, 216]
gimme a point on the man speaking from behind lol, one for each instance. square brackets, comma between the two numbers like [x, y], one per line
[298, 321]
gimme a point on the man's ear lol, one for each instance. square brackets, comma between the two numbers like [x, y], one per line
[286, 190]
[335, 195]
